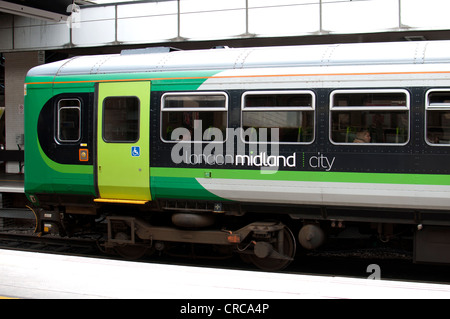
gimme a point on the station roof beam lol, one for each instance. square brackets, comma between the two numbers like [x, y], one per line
[51, 10]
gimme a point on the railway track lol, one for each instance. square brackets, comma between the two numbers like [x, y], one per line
[34, 243]
[18, 231]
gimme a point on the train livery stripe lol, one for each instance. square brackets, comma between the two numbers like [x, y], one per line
[180, 187]
[222, 75]
[185, 77]
[306, 188]
[305, 176]
[331, 193]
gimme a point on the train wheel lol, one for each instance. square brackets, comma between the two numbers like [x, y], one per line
[129, 251]
[270, 263]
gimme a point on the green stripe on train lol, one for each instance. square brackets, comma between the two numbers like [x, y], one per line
[180, 188]
[342, 177]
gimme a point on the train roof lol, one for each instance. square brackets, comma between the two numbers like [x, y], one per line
[167, 59]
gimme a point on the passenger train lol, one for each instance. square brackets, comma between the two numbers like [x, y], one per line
[255, 151]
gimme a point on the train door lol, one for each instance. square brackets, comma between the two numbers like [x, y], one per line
[123, 142]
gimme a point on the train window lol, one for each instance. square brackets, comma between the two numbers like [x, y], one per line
[438, 117]
[69, 120]
[121, 119]
[197, 112]
[369, 117]
[292, 112]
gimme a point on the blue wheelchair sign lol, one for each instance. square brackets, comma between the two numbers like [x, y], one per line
[135, 151]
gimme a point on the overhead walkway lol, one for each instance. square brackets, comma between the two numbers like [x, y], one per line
[176, 21]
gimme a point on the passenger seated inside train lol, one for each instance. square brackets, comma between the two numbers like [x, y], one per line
[362, 137]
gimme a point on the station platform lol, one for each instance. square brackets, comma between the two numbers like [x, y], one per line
[11, 183]
[42, 276]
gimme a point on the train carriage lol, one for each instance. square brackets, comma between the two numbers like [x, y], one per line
[251, 150]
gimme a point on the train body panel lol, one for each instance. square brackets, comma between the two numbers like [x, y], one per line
[330, 194]
[52, 170]
[317, 154]
[259, 79]
[45, 174]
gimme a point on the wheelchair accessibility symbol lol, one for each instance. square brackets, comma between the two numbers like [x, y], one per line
[135, 151]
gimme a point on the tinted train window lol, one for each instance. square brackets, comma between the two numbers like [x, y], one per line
[196, 113]
[121, 119]
[69, 120]
[370, 117]
[292, 112]
[438, 117]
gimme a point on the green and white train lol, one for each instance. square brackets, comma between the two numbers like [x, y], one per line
[246, 150]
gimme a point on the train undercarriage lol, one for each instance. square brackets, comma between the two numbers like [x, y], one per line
[218, 230]
[269, 244]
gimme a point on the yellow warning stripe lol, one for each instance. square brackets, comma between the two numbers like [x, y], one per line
[120, 201]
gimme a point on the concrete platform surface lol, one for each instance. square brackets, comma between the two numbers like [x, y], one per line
[42, 276]
[11, 183]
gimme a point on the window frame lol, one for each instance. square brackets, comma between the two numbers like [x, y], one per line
[194, 109]
[332, 108]
[311, 108]
[138, 120]
[428, 107]
[58, 120]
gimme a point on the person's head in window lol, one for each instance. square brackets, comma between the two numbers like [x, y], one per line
[362, 137]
